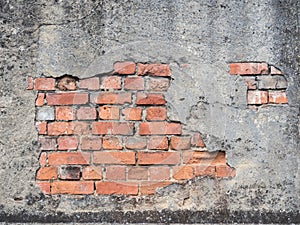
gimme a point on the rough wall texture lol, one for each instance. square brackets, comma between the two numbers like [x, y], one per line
[198, 39]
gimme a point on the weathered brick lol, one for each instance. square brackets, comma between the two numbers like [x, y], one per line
[155, 158]
[111, 83]
[45, 113]
[43, 159]
[115, 173]
[91, 143]
[47, 173]
[112, 143]
[69, 172]
[113, 128]
[92, 173]
[204, 158]
[150, 99]
[248, 68]
[158, 84]
[278, 97]
[150, 128]
[64, 113]
[60, 128]
[257, 97]
[67, 83]
[159, 173]
[134, 83]
[69, 158]
[86, 113]
[275, 71]
[156, 113]
[67, 143]
[114, 158]
[119, 98]
[158, 143]
[109, 112]
[138, 143]
[40, 100]
[72, 187]
[30, 82]
[183, 172]
[251, 83]
[149, 187]
[154, 69]
[44, 84]
[44, 186]
[272, 82]
[138, 173]
[126, 68]
[90, 83]
[47, 143]
[109, 188]
[41, 127]
[225, 171]
[180, 143]
[80, 128]
[67, 98]
[197, 140]
[132, 113]
[205, 170]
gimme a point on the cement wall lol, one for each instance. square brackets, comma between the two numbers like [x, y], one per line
[85, 38]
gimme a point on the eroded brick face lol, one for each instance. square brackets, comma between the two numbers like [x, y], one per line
[111, 134]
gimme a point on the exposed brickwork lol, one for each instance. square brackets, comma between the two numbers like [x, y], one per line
[266, 84]
[111, 134]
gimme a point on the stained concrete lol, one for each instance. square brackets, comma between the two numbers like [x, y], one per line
[80, 38]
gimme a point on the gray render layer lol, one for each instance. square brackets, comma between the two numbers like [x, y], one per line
[85, 38]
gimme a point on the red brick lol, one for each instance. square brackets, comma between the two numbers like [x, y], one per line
[47, 143]
[72, 187]
[197, 140]
[154, 69]
[149, 187]
[248, 68]
[67, 98]
[126, 68]
[91, 143]
[205, 170]
[159, 173]
[90, 83]
[158, 143]
[114, 158]
[43, 159]
[111, 82]
[92, 173]
[251, 83]
[69, 173]
[40, 99]
[225, 171]
[134, 83]
[163, 158]
[257, 97]
[114, 128]
[113, 98]
[41, 127]
[180, 143]
[278, 97]
[109, 112]
[150, 128]
[86, 113]
[115, 173]
[59, 128]
[158, 84]
[80, 128]
[275, 71]
[183, 172]
[138, 143]
[44, 186]
[64, 113]
[69, 158]
[150, 99]
[138, 173]
[67, 83]
[205, 158]
[45, 84]
[156, 113]
[30, 82]
[109, 188]
[132, 113]
[113, 143]
[47, 173]
[67, 143]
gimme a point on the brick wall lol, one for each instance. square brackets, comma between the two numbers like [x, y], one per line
[111, 134]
